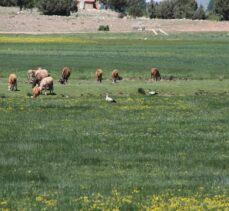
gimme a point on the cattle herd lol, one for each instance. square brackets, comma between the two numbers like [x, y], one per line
[41, 79]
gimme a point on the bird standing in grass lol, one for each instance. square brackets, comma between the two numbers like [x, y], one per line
[152, 93]
[109, 99]
[141, 91]
[149, 93]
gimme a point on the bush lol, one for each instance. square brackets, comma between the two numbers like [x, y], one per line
[136, 8]
[8, 3]
[29, 4]
[121, 15]
[118, 5]
[214, 17]
[104, 28]
[222, 8]
[20, 3]
[165, 10]
[57, 7]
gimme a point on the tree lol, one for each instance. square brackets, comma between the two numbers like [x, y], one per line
[8, 3]
[199, 13]
[153, 9]
[118, 5]
[25, 4]
[56, 7]
[211, 5]
[176, 9]
[136, 8]
[20, 3]
[30, 4]
[184, 8]
[165, 10]
[222, 8]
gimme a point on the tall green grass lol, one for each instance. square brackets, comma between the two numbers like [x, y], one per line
[73, 150]
[74, 144]
[201, 56]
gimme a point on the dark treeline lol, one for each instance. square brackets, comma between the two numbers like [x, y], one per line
[167, 9]
[178, 9]
[189, 9]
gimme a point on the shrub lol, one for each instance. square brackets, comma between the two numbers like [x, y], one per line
[222, 8]
[104, 28]
[8, 3]
[57, 7]
[118, 5]
[121, 15]
[214, 17]
[20, 3]
[136, 8]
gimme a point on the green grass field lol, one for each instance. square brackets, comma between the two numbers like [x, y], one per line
[73, 151]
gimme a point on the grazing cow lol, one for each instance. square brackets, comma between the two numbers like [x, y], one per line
[35, 76]
[155, 74]
[12, 82]
[30, 75]
[115, 76]
[99, 75]
[46, 84]
[36, 91]
[66, 72]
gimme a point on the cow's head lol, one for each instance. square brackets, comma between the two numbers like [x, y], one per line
[61, 81]
[34, 82]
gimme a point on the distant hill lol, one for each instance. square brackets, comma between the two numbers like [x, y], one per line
[204, 3]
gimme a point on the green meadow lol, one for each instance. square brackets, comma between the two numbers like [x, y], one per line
[75, 151]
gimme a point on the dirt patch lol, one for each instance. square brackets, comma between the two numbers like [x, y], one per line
[31, 22]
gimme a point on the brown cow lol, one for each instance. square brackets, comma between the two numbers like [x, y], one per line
[36, 91]
[47, 84]
[99, 75]
[66, 72]
[115, 76]
[35, 76]
[12, 82]
[155, 74]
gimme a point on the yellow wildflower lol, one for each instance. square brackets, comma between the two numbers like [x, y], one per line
[39, 198]
[3, 203]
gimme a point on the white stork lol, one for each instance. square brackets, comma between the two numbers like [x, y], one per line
[109, 99]
[152, 93]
